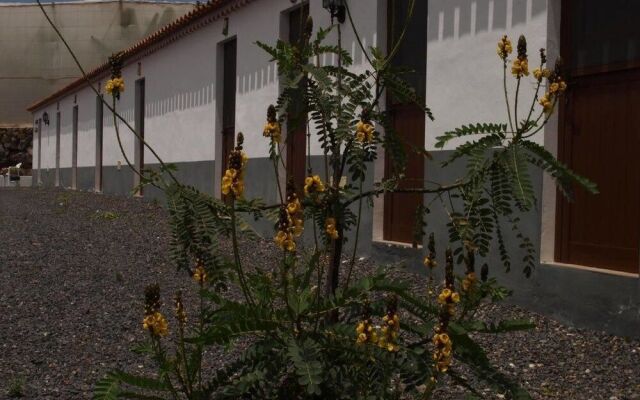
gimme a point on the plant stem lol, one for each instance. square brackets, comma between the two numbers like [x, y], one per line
[236, 255]
[355, 245]
[506, 94]
[375, 192]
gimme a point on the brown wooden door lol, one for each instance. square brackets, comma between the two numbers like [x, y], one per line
[400, 208]
[600, 134]
[297, 119]
[139, 111]
[408, 119]
[228, 101]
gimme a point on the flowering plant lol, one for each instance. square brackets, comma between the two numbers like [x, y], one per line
[312, 332]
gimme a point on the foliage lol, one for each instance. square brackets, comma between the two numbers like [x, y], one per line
[16, 387]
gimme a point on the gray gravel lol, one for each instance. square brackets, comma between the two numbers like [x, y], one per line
[73, 267]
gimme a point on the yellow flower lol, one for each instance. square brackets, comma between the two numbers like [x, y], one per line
[444, 296]
[365, 332]
[280, 238]
[200, 274]
[545, 102]
[114, 86]
[469, 281]
[449, 298]
[298, 227]
[429, 262]
[442, 353]
[232, 182]
[285, 241]
[293, 207]
[557, 87]
[520, 67]
[272, 130]
[364, 132]
[156, 324]
[455, 297]
[504, 47]
[563, 86]
[539, 73]
[330, 228]
[313, 184]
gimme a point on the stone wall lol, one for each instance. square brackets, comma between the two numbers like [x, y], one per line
[16, 147]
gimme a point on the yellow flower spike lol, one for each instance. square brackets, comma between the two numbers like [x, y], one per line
[429, 262]
[520, 67]
[504, 47]
[563, 86]
[156, 324]
[364, 132]
[330, 228]
[291, 246]
[200, 274]
[280, 239]
[294, 206]
[313, 184]
[455, 297]
[545, 102]
[469, 281]
[362, 338]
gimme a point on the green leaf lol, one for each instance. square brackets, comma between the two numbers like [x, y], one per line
[107, 388]
[307, 367]
[140, 381]
[471, 129]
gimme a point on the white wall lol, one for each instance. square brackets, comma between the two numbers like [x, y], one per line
[464, 73]
[180, 117]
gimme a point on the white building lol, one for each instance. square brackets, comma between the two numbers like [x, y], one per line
[589, 251]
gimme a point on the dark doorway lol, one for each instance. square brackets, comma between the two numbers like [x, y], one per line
[229, 60]
[39, 129]
[407, 119]
[600, 134]
[57, 177]
[138, 156]
[99, 141]
[297, 112]
[74, 149]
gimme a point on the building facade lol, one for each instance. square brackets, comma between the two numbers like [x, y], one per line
[195, 83]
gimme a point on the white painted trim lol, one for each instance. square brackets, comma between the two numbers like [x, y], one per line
[590, 269]
[391, 243]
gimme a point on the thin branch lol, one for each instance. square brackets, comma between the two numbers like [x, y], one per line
[376, 192]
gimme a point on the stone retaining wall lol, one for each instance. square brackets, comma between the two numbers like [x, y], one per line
[16, 147]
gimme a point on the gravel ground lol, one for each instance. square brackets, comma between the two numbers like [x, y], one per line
[73, 267]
